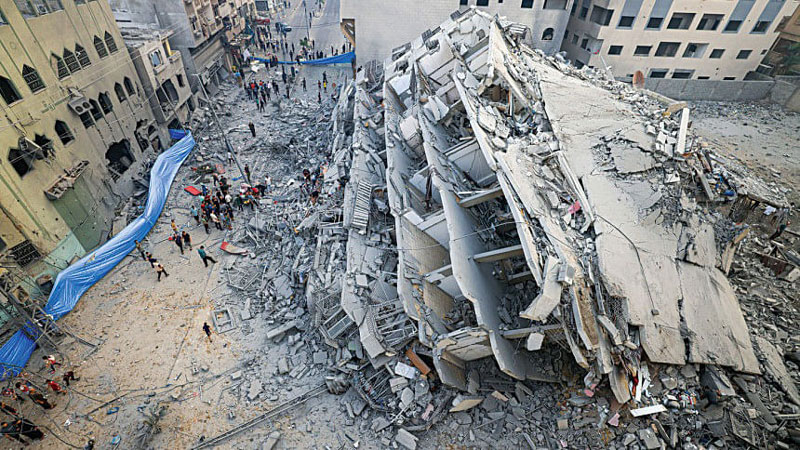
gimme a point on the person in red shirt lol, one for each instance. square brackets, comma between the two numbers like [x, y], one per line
[56, 387]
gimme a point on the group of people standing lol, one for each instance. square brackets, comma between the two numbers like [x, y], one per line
[14, 426]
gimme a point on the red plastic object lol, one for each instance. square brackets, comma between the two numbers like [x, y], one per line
[192, 190]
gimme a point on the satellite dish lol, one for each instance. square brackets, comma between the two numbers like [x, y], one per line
[638, 80]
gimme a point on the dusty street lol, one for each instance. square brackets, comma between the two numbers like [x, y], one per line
[150, 377]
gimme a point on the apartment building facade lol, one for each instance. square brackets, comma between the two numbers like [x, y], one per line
[162, 75]
[74, 128]
[376, 27]
[684, 39]
[202, 30]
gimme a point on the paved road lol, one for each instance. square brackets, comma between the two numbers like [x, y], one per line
[325, 32]
[324, 24]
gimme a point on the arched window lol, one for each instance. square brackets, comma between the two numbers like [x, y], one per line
[8, 91]
[72, 61]
[105, 103]
[32, 78]
[129, 86]
[61, 68]
[100, 47]
[83, 56]
[112, 46]
[22, 162]
[120, 92]
[63, 132]
[95, 109]
[547, 35]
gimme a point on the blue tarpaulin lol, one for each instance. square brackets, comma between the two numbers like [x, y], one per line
[76, 279]
[344, 58]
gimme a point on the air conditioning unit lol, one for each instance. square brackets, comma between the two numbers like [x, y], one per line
[79, 105]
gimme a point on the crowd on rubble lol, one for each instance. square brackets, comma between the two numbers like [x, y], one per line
[14, 426]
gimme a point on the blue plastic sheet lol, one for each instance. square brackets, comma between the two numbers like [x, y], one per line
[344, 58]
[76, 279]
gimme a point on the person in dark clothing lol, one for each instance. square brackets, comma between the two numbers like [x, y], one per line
[204, 256]
[89, 445]
[205, 222]
[8, 409]
[10, 432]
[40, 399]
[69, 375]
[252, 129]
[159, 270]
[319, 97]
[152, 260]
[178, 241]
[29, 429]
[207, 330]
[247, 172]
[187, 240]
[304, 85]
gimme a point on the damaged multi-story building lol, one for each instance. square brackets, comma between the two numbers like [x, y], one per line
[500, 210]
[75, 130]
[162, 75]
[376, 32]
[208, 34]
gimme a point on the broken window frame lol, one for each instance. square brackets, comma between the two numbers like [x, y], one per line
[63, 132]
[61, 67]
[129, 87]
[32, 79]
[100, 47]
[24, 253]
[83, 56]
[21, 161]
[72, 62]
[105, 103]
[120, 92]
[86, 119]
[8, 91]
[110, 43]
[94, 108]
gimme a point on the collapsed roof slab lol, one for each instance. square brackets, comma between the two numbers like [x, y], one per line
[637, 265]
[719, 333]
[637, 258]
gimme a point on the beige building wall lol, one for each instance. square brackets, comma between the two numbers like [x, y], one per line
[162, 75]
[711, 39]
[381, 26]
[44, 72]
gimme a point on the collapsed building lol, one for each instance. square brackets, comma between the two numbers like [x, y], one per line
[497, 209]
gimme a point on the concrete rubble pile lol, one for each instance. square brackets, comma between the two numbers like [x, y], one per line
[272, 250]
[509, 222]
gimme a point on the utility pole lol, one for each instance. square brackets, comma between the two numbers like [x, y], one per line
[219, 125]
[308, 22]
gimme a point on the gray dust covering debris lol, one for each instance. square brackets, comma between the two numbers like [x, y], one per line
[506, 252]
